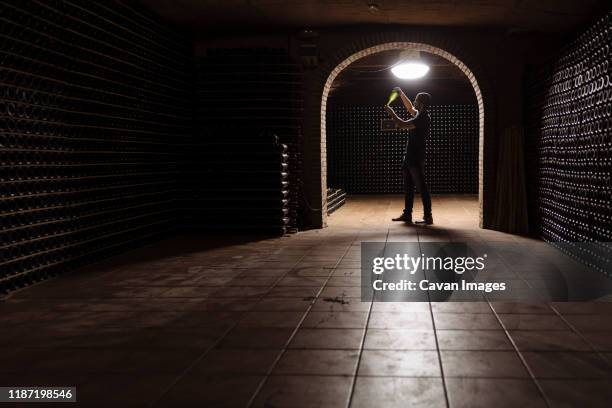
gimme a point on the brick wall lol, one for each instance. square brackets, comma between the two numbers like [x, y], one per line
[319, 83]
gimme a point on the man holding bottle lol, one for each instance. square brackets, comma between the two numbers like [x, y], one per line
[414, 154]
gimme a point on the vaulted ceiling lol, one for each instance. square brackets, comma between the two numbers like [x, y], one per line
[201, 16]
[369, 79]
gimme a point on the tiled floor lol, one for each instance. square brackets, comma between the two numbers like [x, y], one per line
[279, 323]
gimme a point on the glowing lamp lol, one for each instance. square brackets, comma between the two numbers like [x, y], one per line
[410, 66]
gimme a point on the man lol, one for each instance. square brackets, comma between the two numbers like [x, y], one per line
[414, 154]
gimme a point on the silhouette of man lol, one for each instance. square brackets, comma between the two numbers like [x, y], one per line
[414, 154]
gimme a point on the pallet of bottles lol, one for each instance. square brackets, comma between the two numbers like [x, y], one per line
[294, 179]
[255, 88]
[242, 182]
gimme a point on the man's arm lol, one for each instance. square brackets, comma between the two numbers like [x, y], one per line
[402, 124]
[407, 103]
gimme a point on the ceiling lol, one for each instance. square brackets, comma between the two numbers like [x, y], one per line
[201, 16]
[369, 81]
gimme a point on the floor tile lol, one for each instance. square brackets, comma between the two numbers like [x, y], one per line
[589, 308]
[314, 281]
[398, 392]
[272, 274]
[473, 340]
[461, 307]
[344, 281]
[317, 362]
[172, 361]
[341, 291]
[399, 363]
[264, 281]
[399, 339]
[346, 272]
[460, 321]
[400, 307]
[400, 320]
[335, 320]
[568, 365]
[533, 322]
[548, 340]
[593, 322]
[600, 340]
[327, 339]
[128, 390]
[270, 319]
[305, 392]
[310, 271]
[274, 339]
[521, 308]
[578, 393]
[238, 304]
[211, 390]
[294, 291]
[244, 291]
[483, 364]
[281, 304]
[339, 304]
[229, 361]
[493, 392]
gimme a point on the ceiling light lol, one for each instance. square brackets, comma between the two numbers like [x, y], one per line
[410, 70]
[410, 66]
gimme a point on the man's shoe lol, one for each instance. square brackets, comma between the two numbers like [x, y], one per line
[425, 221]
[404, 217]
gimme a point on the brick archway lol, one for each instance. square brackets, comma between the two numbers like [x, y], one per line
[315, 125]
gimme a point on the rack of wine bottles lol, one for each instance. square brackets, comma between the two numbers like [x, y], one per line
[569, 143]
[247, 93]
[244, 183]
[364, 157]
[95, 121]
[336, 198]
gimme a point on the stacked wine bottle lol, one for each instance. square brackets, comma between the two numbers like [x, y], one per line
[244, 95]
[364, 157]
[569, 137]
[243, 183]
[95, 121]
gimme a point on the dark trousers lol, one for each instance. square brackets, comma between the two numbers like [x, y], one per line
[414, 175]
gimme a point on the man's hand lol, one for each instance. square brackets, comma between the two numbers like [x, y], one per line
[393, 115]
[402, 124]
[391, 112]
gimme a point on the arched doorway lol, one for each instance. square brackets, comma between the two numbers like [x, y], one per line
[402, 46]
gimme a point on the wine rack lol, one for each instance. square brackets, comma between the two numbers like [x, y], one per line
[95, 124]
[569, 143]
[336, 198]
[247, 94]
[364, 158]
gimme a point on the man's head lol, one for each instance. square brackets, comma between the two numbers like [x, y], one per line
[422, 101]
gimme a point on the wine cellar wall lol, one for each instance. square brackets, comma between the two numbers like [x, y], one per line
[363, 158]
[95, 123]
[247, 169]
[569, 146]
